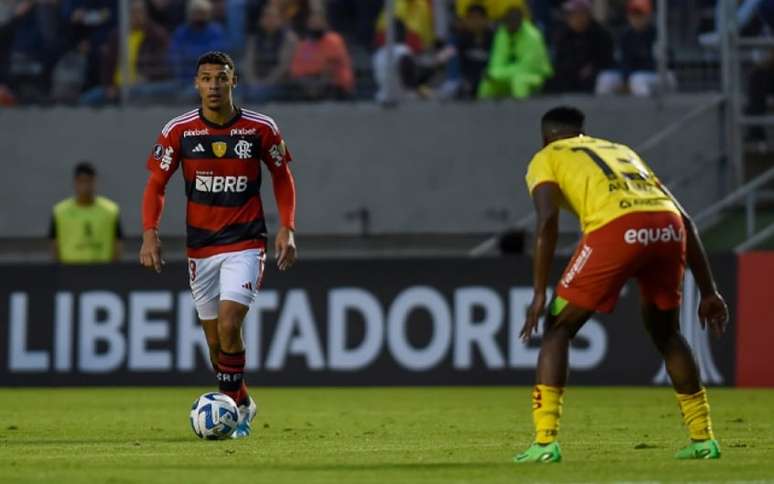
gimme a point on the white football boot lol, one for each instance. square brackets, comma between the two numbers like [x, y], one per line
[246, 415]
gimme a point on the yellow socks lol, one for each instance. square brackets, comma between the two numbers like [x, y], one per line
[546, 410]
[695, 410]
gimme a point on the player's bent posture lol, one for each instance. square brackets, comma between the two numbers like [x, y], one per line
[220, 148]
[633, 228]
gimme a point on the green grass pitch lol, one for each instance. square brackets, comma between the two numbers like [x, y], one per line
[373, 435]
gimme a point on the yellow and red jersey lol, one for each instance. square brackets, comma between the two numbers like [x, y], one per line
[222, 172]
[600, 180]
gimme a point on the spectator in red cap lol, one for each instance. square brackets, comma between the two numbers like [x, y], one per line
[582, 49]
[637, 67]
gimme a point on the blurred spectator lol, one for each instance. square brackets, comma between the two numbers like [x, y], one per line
[747, 13]
[542, 15]
[583, 48]
[90, 21]
[85, 228]
[268, 57]
[198, 35]
[760, 87]
[355, 19]
[297, 12]
[637, 71]
[10, 13]
[417, 16]
[69, 76]
[167, 13]
[321, 67]
[473, 43]
[519, 63]
[495, 9]
[400, 71]
[37, 43]
[148, 46]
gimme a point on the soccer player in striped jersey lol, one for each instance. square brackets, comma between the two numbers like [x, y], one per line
[220, 148]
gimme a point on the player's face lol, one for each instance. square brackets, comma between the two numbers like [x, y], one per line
[214, 83]
[85, 187]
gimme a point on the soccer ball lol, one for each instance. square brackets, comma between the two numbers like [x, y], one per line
[214, 416]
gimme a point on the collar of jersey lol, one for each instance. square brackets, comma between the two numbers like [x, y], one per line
[227, 124]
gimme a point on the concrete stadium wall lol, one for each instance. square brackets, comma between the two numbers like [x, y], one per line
[421, 168]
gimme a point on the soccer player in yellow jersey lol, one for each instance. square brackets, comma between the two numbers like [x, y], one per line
[633, 228]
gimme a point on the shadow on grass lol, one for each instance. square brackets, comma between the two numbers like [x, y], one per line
[21, 442]
[386, 466]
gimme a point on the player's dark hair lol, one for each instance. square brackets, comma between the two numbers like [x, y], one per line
[217, 58]
[84, 168]
[476, 8]
[563, 120]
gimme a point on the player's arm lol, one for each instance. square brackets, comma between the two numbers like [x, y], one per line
[546, 198]
[118, 245]
[53, 244]
[277, 158]
[161, 164]
[712, 309]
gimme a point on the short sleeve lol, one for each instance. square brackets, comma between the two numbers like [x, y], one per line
[275, 154]
[540, 171]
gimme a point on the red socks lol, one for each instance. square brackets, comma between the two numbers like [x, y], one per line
[231, 376]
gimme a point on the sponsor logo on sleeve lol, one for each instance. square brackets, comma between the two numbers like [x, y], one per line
[158, 152]
[166, 158]
[277, 153]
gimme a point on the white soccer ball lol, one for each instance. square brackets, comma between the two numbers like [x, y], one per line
[214, 416]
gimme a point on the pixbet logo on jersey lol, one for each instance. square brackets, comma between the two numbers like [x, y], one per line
[164, 155]
[217, 184]
[653, 235]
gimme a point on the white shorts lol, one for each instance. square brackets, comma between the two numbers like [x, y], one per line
[231, 276]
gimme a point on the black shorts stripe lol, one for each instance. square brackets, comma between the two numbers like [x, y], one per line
[198, 238]
[220, 198]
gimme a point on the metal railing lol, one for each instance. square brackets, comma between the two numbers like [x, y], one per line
[749, 194]
[488, 245]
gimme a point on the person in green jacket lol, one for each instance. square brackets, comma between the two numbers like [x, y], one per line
[519, 63]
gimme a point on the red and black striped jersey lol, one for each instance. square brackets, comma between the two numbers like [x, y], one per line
[221, 166]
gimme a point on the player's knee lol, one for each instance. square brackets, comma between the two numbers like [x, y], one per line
[229, 326]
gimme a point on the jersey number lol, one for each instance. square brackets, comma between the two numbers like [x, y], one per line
[606, 169]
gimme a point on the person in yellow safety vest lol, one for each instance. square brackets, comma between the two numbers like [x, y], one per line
[86, 228]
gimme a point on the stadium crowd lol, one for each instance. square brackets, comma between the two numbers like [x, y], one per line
[67, 51]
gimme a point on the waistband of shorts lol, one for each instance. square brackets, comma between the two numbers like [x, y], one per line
[203, 252]
[637, 220]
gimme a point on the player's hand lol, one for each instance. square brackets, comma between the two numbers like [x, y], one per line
[150, 252]
[535, 311]
[285, 249]
[713, 313]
